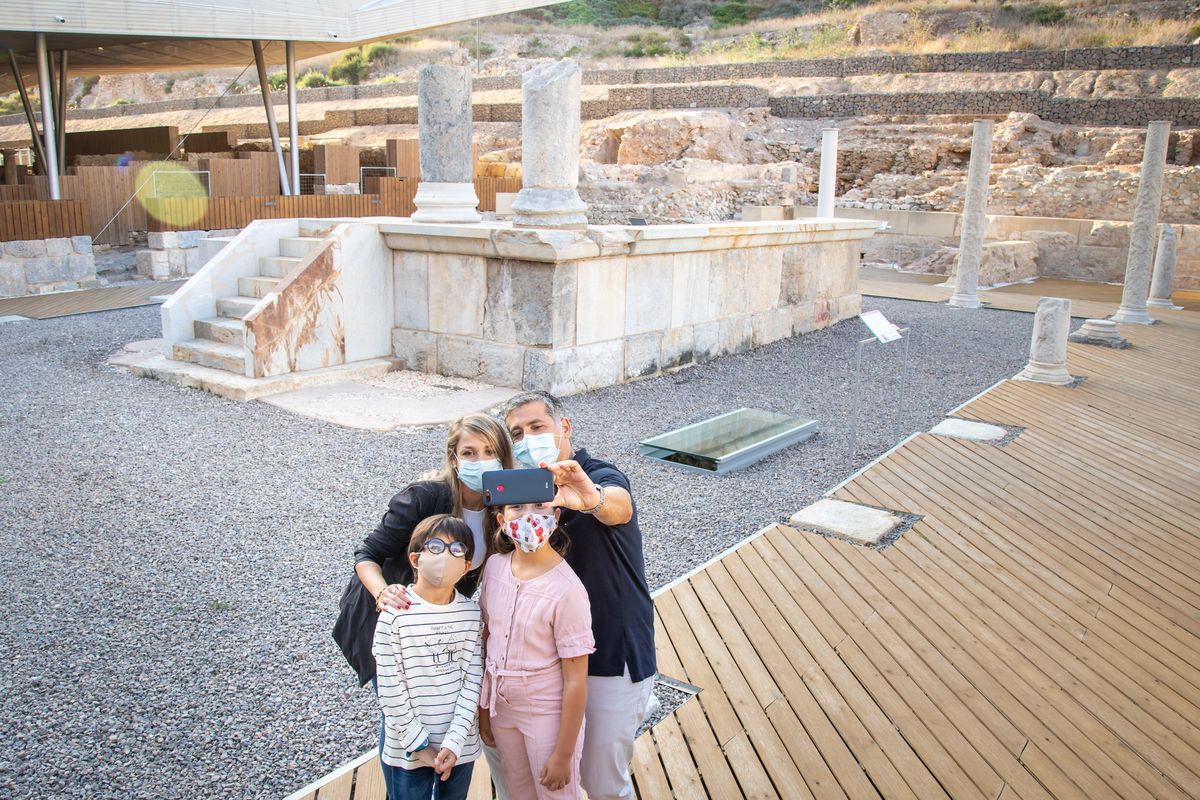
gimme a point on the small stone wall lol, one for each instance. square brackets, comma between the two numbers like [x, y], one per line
[174, 254]
[1076, 249]
[37, 266]
[573, 311]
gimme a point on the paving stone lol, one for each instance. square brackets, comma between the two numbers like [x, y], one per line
[861, 524]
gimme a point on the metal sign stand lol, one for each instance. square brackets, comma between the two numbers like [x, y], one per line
[856, 400]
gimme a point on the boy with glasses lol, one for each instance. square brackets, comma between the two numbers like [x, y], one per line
[429, 661]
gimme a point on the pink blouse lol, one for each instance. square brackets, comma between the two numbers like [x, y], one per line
[533, 624]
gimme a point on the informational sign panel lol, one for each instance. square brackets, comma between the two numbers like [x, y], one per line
[884, 331]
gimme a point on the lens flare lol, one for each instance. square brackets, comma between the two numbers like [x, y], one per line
[172, 195]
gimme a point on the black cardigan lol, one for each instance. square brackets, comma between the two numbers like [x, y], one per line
[387, 546]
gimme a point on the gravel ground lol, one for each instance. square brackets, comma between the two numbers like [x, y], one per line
[172, 560]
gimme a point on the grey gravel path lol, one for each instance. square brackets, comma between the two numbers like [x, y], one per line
[171, 561]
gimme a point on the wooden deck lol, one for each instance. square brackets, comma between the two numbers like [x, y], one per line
[85, 301]
[1035, 635]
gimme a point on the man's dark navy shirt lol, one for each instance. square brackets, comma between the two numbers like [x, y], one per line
[609, 561]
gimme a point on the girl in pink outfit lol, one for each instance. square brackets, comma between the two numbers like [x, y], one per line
[538, 629]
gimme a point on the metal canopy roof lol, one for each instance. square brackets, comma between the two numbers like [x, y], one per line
[111, 36]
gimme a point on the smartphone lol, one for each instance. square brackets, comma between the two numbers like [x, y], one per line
[512, 487]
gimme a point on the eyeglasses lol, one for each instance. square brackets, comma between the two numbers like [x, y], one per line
[437, 547]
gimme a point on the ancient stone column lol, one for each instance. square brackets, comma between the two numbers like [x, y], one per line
[446, 192]
[974, 218]
[827, 182]
[1099, 331]
[1145, 218]
[550, 148]
[1048, 347]
[1164, 270]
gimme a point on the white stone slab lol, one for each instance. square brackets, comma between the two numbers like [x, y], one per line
[13, 318]
[374, 408]
[860, 524]
[969, 429]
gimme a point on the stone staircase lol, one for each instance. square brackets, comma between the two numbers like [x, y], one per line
[220, 341]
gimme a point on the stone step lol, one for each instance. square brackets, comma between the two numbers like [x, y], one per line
[298, 246]
[277, 266]
[223, 330]
[235, 307]
[229, 357]
[256, 287]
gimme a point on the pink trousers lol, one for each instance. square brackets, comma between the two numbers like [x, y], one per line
[525, 724]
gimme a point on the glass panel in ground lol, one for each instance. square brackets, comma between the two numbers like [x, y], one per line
[727, 434]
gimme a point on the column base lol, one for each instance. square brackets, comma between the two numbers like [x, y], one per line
[535, 207]
[1038, 372]
[964, 301]
[1163, 304]
[1132, 316]
[445, 202]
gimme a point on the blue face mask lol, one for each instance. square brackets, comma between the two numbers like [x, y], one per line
[533, 450]
[471, 472]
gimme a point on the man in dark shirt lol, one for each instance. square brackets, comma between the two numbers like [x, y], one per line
[600, 518]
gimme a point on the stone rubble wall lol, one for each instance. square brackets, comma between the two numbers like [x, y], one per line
[38, 266]
[1182, 112]
[1100, 58]
[174, 254]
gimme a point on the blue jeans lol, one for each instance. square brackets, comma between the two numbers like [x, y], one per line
[423, 783]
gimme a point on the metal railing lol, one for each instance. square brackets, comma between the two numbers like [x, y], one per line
[373, 172]
[312, 183]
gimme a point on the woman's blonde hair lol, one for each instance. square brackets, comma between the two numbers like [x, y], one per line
[496, 435]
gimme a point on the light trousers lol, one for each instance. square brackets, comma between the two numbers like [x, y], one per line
[616, 707]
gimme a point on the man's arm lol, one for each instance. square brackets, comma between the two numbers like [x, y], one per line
[576, 491]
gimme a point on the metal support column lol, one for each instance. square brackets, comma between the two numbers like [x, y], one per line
[265, 86]
[293, 122]
[34, 136]
[47, 98]
[62, 111]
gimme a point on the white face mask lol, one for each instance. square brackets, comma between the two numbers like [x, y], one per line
[533, 450]
[471, 472]
[531, 532]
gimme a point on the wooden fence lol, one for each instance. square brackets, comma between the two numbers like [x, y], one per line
[391, 197]
[42, 219]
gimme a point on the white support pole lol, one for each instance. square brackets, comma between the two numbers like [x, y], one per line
[49, 141]
[293, 122]
[265, 86]
[827, 184]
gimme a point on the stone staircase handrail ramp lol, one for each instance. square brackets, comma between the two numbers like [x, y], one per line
[218, 278]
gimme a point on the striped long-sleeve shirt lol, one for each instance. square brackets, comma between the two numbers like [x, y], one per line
[430, 666]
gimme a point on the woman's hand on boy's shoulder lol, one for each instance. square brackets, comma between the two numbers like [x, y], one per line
[394, 597]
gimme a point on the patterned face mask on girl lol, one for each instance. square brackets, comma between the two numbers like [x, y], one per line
[533, 450]
[531, 532]
[471, 472]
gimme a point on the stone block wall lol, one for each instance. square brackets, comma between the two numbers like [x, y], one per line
[574, 325]
[174, 254]
[37, 266]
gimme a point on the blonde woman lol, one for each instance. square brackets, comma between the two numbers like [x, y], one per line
[475, 444]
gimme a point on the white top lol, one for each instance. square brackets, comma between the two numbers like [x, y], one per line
[429, 661]
[474, 520]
